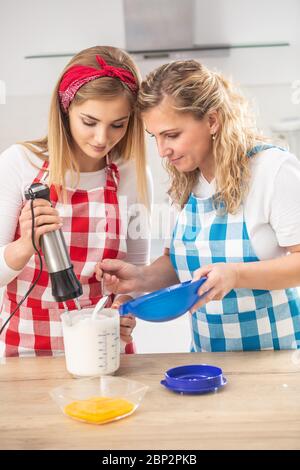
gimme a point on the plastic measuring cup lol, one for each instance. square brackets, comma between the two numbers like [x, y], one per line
[92, 346]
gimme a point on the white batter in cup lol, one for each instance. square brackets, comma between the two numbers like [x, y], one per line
[92, 347]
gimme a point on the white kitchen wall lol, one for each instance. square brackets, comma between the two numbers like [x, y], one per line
[43, 28]
[52, 26]
[266, 75]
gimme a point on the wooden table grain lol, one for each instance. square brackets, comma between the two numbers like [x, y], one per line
[259, 408]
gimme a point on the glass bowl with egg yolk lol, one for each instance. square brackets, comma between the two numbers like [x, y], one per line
[99, 400]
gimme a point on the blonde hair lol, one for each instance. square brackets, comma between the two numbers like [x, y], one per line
[57, 146]
[194, 89]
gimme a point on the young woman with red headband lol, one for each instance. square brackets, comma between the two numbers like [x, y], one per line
[93, 159]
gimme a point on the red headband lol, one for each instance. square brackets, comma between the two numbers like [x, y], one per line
[78, 75]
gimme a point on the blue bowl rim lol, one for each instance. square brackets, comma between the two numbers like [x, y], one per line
[167, 290]
[186, 389]
[216, 376]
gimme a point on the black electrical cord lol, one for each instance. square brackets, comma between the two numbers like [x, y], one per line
[39, 274]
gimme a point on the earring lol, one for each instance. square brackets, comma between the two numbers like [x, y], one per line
[213, 136]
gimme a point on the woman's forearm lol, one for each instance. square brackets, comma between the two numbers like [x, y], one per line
[159, 274]
[16, 255]
[279, 273]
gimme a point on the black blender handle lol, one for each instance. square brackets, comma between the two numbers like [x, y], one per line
[37, 190]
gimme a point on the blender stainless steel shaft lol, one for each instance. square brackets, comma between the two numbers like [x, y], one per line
[65, 285]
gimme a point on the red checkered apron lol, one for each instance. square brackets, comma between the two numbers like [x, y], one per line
[93, 231]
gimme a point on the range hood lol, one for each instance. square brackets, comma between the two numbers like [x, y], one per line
[163, 29]
[166, 29]
[158, 25]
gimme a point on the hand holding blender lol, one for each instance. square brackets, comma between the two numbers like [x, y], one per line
[65, 285]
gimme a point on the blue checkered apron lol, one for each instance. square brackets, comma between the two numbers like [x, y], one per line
[245, 319]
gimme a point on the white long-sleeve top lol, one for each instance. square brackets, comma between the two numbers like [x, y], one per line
[17, 173]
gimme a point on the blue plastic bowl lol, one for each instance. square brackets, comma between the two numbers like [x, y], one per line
[198, 378]
[164, 304]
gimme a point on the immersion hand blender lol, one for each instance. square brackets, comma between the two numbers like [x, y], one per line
[65, 285]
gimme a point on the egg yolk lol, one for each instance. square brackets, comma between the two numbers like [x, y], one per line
[98, 409]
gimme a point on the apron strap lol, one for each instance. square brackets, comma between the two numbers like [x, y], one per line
[261, 147]
[112, 176]
[42, 174]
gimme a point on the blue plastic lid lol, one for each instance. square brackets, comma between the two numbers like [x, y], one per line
[198, 378]
[164, 304]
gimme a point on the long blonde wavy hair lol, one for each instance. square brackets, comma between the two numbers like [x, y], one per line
[57, 145]
[195, 89]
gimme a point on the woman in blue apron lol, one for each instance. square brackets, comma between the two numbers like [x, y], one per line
[238, 223]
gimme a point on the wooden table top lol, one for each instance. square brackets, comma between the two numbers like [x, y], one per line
[259, 408]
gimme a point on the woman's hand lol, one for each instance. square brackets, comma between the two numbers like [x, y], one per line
[221, 279]
[127, 322]
[46, 219]
[119, 277]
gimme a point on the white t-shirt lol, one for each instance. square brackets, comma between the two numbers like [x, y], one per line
[272, 205]
[17, 173]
